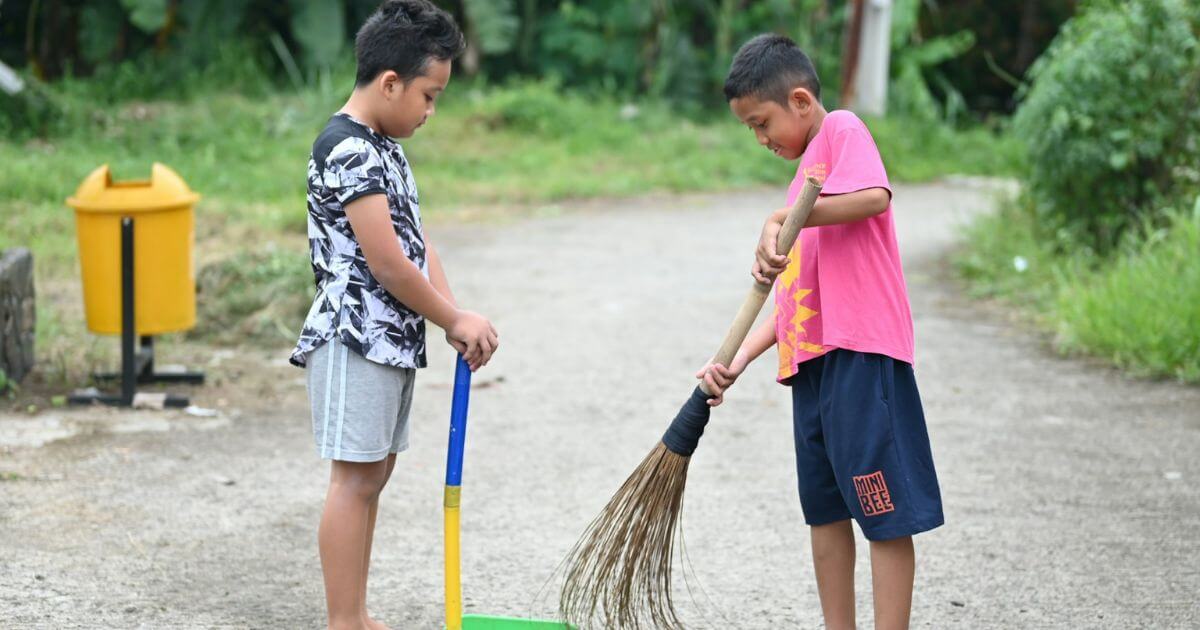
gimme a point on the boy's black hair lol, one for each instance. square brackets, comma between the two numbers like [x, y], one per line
[769, 67]
[402, 36]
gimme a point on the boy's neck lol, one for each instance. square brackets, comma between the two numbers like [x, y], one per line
[818, 118]
[359, 107]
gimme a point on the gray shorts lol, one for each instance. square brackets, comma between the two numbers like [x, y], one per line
[359, 407]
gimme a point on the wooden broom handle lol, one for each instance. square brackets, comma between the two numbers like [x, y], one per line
[796, 219]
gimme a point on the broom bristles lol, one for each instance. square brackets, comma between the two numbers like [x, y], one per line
[619, 573]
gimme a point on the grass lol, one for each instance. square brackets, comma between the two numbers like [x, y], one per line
[1008, 255]
[245, 152]
[1139, 310]
[1142, 312]
[230, 296]
[522, 144]
[920, 151]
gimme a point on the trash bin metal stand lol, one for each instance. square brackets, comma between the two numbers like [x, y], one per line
[145, 368]
[128, 321]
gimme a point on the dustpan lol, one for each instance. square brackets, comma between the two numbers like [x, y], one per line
[455, 620]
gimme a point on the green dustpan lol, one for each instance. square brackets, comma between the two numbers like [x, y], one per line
[487, 622]
[455, 620]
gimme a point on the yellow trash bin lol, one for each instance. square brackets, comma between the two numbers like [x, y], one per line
[164, 266]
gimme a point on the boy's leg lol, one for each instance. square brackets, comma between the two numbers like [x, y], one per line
[833, 562]
[821, 499]
[359, 412]
[892, 567]
[879, 446]
[353, 487]
[402, 382]
[374, 510]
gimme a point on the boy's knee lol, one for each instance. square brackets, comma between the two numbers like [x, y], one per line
[832, 541]
[902, 544]
[364, 481]
[896, 541]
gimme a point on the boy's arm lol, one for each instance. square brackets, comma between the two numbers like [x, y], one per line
[844, 208]
[718, 378]
[437, 274]
[437, 277]
[757, 342]
[371, 223]
[829, 210]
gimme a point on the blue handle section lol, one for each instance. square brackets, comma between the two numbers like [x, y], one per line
[458, 422]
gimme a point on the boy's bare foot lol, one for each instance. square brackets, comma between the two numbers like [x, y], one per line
[371, 624]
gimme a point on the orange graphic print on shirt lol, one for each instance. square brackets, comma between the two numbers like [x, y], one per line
[794, 304]
[790, 315]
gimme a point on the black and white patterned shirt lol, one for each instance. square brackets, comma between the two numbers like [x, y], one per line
[350, 160]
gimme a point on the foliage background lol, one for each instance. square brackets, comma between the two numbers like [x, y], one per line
[1101, 247]
[678, 50]
[558, 100]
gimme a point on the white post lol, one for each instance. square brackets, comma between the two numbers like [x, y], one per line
[10, 81]
[874, 50]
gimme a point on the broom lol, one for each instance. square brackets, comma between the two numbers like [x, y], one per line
[618, 575]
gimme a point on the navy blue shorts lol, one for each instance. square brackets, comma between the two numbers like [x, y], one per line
[862, 450]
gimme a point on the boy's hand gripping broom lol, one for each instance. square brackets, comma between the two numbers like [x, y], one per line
[619, 573]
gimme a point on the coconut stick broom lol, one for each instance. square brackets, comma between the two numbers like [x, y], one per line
[618, 575]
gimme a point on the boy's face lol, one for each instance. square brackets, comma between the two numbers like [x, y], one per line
[784, 130]
[407, 107]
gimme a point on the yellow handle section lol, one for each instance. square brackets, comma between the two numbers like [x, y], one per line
[453, 578]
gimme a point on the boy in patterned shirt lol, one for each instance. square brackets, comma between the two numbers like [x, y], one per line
[378, 279]
[845, 338]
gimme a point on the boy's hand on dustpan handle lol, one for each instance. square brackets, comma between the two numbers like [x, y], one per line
[474, 337]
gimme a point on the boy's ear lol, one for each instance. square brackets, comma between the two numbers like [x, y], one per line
[802, 99]
[389, 83]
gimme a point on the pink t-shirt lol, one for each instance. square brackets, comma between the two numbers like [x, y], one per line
[845, 287]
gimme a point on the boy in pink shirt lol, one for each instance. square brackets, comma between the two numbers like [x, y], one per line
[844, 334]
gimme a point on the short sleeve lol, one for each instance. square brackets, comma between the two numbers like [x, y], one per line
[855, 163]
[354, 169]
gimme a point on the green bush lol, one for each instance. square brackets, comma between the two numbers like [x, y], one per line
[534, 106]
[1112, 120]
[73, 106]
[34, 111]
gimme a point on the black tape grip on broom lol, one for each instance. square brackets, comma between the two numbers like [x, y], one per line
[684, 433]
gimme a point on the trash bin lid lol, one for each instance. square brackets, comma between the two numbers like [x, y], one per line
[165, 190]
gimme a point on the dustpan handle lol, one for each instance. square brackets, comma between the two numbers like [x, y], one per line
[458, 422]
[453, 493]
